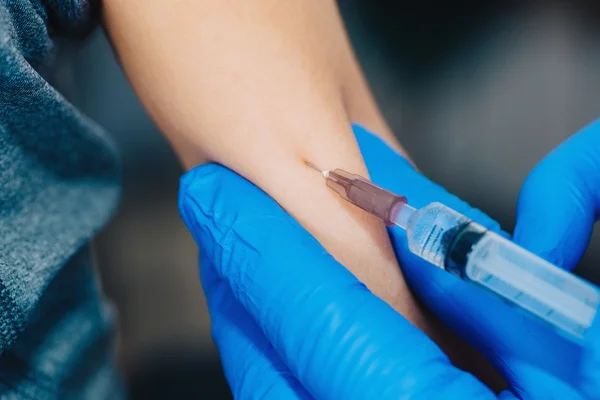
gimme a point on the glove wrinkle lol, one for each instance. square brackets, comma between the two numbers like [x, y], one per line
[253, 368]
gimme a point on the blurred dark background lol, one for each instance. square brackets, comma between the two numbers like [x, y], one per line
[477, 91]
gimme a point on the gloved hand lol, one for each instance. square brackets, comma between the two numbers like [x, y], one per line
[291, 322]
[536, 362]
[558, 206]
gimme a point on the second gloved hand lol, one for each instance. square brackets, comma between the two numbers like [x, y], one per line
[558, 206]
[556, 214]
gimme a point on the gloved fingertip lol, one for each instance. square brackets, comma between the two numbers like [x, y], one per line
[558, 202]
[372, 146]
[554, 220]
[200, 176]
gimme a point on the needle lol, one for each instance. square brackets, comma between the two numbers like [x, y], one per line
[313, 166]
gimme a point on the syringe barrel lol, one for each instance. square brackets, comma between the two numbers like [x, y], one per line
[531, 283]
[466, 249]
[357, 190]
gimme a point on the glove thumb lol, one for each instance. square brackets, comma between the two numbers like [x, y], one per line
[560, 199]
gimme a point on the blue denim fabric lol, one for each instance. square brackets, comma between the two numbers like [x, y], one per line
[59, 184]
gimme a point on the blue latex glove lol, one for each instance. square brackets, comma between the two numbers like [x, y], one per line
[291, 322]
[558, 206]
[536, 362]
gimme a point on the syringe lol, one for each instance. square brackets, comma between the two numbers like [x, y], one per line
[455, 243]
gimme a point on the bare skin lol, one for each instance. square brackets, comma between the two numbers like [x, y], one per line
[261, 87]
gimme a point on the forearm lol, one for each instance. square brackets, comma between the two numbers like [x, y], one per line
[240, 65]
[260, 87]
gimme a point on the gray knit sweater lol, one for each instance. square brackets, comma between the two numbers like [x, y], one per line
[58, 186]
